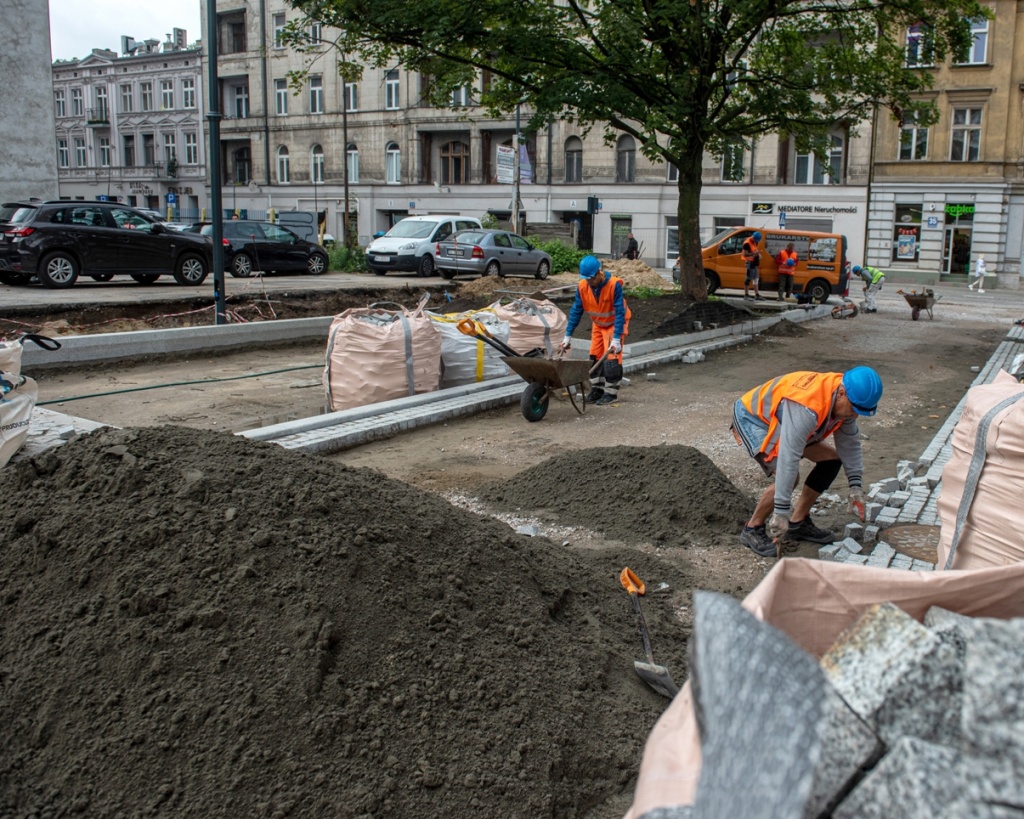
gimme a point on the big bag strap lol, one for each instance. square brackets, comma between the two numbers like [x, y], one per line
[45, 342]
[974, 472]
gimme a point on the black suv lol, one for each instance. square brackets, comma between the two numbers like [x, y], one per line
[264, 246]
[58, 241]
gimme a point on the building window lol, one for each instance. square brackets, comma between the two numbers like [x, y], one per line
[148, 150]
[316, 95]
[105, 152]
[673, 173]
[170, 147]
[573, 159]
[352, 156]
[920, 41]
[913, 139]
[284, 167]
[966, 142]
[978, 53]
[316, 32]
[351, 96]
[391, 89]
[243, 166]
[100, 95]
[279, 23]
[281, 97]
[460, 97]
[76, 102]
[906, 233]
[810, 170]
[455, 163]
[191, 148]
[80, 152]
[167, 95]
[58, 101]
[625, 160]
[392, 164]
[146, 90]
[127, 99]
[188, 93]
[129, 151]
[318, 165]
[242, 101]
[732, 162]
[63, 155]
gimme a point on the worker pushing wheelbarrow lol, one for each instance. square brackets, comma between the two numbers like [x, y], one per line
[920, 301]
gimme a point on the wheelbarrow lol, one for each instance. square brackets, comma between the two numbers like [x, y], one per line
[920, 301]
[544, 376]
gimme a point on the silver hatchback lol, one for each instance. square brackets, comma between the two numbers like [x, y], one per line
[490, 253]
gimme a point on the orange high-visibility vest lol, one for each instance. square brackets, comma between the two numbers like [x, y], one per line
[601, 307]
[750, 251]
[816, 391]
[782, 258]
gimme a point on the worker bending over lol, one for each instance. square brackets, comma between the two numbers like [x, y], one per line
[789, 418]
[600, 296]
[873, 281]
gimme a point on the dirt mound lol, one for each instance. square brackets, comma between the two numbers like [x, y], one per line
[671, 495]
[710, 314]
[192, 620]
[636, 273]
[786, 329]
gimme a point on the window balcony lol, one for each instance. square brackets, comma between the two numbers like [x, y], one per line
[97, 116]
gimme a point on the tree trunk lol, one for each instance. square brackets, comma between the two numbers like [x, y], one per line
[691, 270]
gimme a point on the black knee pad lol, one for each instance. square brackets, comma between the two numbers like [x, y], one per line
[612, 371]
[823, 474]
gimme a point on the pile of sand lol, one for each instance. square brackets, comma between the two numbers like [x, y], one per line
[195, 624]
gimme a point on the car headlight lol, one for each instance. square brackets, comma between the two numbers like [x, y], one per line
[409, 246]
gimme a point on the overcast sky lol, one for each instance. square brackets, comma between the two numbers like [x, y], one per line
[79, 26]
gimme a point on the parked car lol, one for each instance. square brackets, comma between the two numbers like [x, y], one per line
[490, 253]
[265, 247]
[58, 241]
[8, 209]
[410, 245]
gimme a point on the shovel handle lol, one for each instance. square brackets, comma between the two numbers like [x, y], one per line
[631, 583]
[468, 327]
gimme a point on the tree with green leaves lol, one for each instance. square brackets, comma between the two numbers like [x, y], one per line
[682, 77]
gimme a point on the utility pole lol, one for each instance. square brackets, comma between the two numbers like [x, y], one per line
[515, 181]
[213, 115]
[344, 139]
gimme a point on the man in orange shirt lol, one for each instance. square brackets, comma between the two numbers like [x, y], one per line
[785, 263]
[600, 296]
[752, 258]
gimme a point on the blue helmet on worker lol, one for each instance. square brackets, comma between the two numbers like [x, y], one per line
[856, 268]
[590, 266]
[756, 236]
[863, 389]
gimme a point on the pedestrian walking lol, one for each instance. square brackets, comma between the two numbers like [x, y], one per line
[785, 263]
[873, 281]
[980, 272]
[632, 250]
[788, 419]
[600, 297]
[752, 259]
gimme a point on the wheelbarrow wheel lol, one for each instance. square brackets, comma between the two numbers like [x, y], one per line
[534, 402]
[915, 314]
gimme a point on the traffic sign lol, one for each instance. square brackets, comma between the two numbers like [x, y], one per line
[782, 218]
[172, 198]
[102, 198]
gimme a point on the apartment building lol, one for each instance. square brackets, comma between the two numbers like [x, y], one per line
[402, 156]
[941, 195]
[129, 126]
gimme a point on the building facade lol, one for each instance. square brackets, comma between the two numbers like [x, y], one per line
[28, 164]
[943, 194]
[289, 148]
[129, 126]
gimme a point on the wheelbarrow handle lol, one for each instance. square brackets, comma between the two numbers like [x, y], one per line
[468, 327]
[595, 368]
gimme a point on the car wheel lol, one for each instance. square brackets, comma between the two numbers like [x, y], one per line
[494, 269]
[58, 270]
[819, 290]
[447, 274]
[427, 265]
[145, 278]
[191, 269]
[379, 272]
[543, 269]
[15, 278]
[102, 277]
[713, 282]
[316, 264]
[241, 266]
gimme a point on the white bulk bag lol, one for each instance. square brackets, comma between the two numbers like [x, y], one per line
[466, 359]
[18, 395]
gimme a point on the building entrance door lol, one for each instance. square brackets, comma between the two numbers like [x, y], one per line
[956, 250]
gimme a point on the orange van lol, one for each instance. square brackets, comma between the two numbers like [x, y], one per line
[821, 269]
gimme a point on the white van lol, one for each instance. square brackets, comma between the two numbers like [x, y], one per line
[409, 245]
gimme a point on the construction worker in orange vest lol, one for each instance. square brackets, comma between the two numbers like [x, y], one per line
[789, 418]
[752, 258]
[785, 263]
[600, 296]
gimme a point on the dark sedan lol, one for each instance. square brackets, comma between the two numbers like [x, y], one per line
[251, 247]
[490, 253]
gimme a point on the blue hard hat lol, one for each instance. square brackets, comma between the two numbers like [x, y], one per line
[757, 236]
[790, 262]
[856, 268]
[590, 266]
[863, 389]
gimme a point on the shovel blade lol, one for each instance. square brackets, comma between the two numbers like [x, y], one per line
[657, 677]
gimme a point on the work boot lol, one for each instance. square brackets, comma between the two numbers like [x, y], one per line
[607, 398]
[806, 530]
[758, 297]
[756, 539]
[594, 394]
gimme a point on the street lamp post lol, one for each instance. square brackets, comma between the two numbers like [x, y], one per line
[515, 167]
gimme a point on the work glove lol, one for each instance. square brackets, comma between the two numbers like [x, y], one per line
[566, 343]
[615, 347]
[856, 506]
[778, 525]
